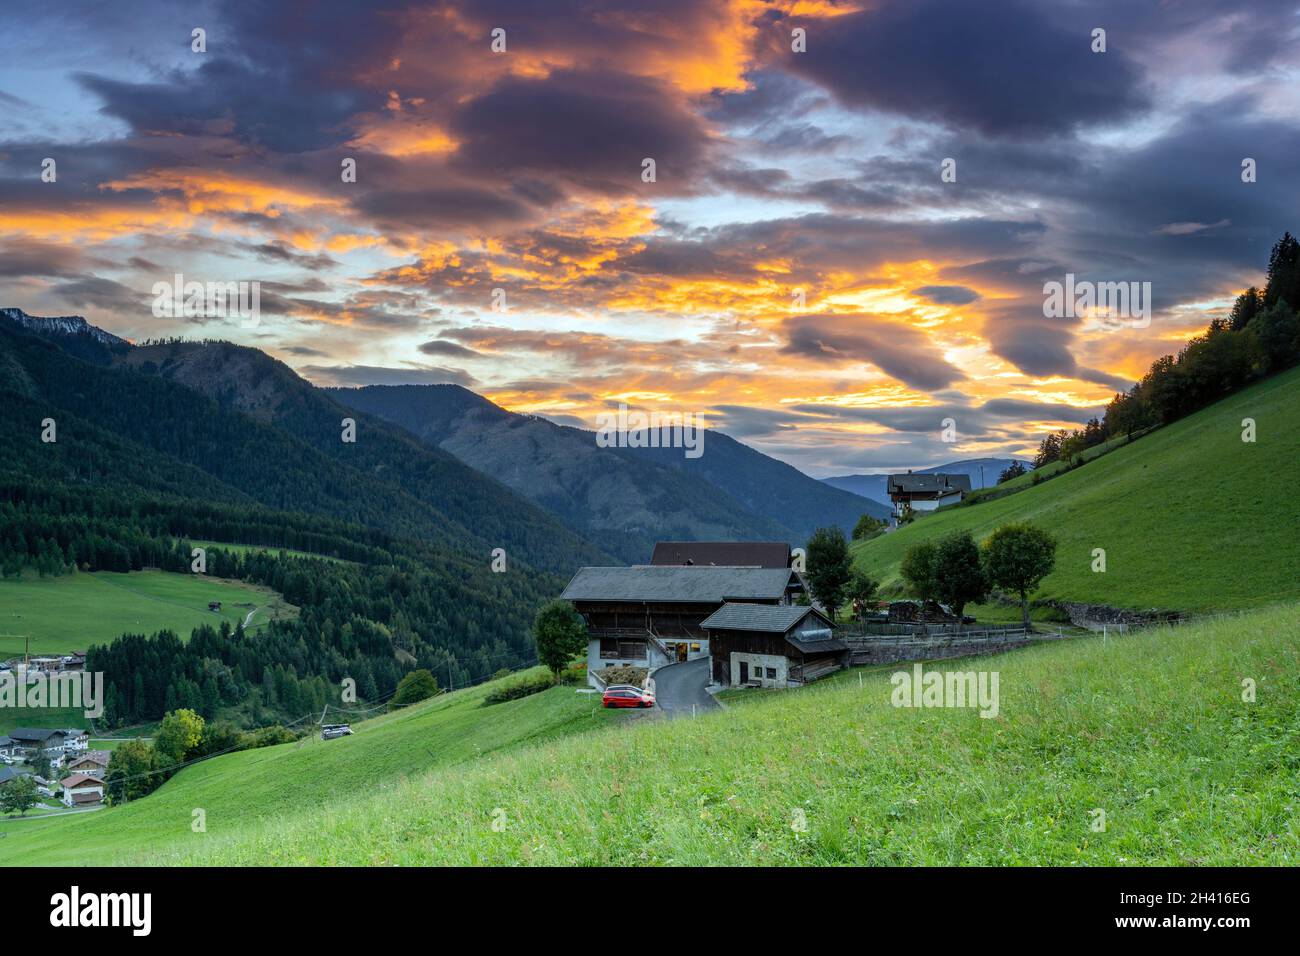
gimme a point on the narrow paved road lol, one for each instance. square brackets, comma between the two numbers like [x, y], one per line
[678, 686]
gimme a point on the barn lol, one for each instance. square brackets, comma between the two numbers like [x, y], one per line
[651, 615]
[765, 645]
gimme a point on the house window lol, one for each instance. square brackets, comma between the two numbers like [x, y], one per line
[771, 673]
[695, 647]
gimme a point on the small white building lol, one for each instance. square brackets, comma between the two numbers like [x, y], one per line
[81, 789]
[763, 645]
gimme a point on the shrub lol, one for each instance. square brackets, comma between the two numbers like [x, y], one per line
[574, 674]
[269, 736]
[416, 686]
[521, 687]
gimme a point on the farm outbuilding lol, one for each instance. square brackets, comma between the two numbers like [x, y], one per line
[763, 645]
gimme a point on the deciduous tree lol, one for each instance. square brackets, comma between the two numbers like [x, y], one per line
[1017, 557]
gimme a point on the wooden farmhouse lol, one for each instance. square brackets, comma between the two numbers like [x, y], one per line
[765, 645]
[926, 492]
[651, 615]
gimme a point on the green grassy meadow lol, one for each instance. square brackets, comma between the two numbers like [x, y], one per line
[307, 776]
[1191, 517]
[11, 717]
[73, 611]
[1150, 727]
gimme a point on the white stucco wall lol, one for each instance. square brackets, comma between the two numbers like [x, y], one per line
[777, 662]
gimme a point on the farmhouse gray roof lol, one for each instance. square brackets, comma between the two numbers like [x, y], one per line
[742, 554]
[9, 773]
[914, 484]
[768, 618]
[38, 734]
[672, 584]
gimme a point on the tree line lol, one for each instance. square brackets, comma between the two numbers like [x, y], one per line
[1259, 337]
[371, 622]
[953, 570]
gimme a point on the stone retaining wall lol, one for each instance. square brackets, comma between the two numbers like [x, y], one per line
[1095, 615]
[887, 650]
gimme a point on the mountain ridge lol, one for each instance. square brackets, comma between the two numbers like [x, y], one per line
[638, 495]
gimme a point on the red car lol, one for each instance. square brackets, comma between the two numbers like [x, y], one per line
[627, 696]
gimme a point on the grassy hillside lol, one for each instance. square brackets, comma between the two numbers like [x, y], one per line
[1150, 728]
[72, 612]
[1191, 517]
[295, 779]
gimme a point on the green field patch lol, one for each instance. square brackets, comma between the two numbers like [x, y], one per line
[71, 612]
[43, 717]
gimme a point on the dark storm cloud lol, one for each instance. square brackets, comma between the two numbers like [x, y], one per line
[281, 251]
[276, 111]
[104, 294]
[897, 350]
[593, 128]
[448, 349]
[741, 421]
[429, 207]
[40, 259]
[771, 98]
[273, 76]
[1009, 68]
[947, 294]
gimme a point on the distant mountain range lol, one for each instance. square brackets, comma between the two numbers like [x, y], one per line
[623, 499]
[438, 464]
[222, 423]
[872, 486]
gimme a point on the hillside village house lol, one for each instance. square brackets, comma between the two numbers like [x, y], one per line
[650, 615]
[30, 741]
[926, 492]
[80, 789]
[764, 645]
[57, 744]
[8, 747]
[9, 773]
[93, 763]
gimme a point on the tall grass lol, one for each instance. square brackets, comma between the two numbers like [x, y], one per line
[1150, 728]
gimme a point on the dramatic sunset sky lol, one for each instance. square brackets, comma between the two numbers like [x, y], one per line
[776, 171]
